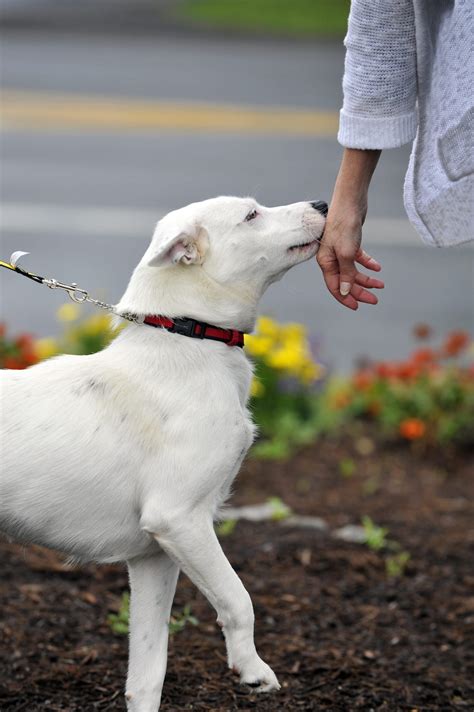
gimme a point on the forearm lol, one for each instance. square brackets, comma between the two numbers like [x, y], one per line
[352, 183]
[380, 81]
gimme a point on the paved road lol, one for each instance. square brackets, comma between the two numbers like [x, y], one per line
[83, 201]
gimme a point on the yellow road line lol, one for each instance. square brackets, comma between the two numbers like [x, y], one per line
[69, 111]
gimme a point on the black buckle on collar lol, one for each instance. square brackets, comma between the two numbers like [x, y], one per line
[187, 327]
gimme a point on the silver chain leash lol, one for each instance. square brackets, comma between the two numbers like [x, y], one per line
[77, 294]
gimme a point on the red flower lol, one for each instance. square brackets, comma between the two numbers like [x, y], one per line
[363, 380]
[24, 341]
[10, 362]
[424, 356]
[29, 358]
[386, 370]
[407, 371]
[412, 428]
[456, 342]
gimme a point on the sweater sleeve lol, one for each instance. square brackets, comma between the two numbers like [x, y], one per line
[379, 84]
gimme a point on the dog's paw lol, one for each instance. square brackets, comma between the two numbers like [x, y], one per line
[259, 677]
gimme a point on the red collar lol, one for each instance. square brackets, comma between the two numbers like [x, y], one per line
[197, 329]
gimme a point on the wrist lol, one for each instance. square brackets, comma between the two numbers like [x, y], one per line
[349, 210]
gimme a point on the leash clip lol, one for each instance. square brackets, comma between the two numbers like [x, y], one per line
[76, 293]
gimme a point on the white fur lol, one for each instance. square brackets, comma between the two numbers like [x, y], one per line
[127, 454]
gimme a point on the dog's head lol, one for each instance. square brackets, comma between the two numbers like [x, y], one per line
[236, 239]
[218, 253]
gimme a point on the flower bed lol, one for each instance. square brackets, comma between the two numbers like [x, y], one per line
[426, 400]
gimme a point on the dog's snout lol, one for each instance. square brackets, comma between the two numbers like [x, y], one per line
[320, 206]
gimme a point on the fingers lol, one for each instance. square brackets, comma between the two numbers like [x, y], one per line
[349, 276]
[360, 282]
[365, 281]
[332, 283]
[362, 295]
[367, 261]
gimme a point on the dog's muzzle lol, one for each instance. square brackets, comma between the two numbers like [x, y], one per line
[313, 223]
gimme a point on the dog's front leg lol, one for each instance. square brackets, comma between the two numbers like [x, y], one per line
[193, 544]
[152, 587]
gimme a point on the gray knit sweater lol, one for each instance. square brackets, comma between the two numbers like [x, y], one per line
[409, 74]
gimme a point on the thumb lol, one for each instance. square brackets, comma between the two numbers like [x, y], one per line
[347, 274]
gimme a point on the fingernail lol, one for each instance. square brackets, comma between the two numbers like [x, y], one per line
[345, 288]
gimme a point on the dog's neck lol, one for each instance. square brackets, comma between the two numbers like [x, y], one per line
[188, 291]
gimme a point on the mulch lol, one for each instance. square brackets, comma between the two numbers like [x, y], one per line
[338, 631]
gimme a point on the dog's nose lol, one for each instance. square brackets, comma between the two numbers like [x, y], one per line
[320, 206]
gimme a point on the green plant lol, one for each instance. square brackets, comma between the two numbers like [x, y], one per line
[347, 467]
[226, 527]
[283, 399]
[375, 536]
[119, 621]
[279, 509]
[178, 621]
[396, 564]
[299, 17]
[426, 399]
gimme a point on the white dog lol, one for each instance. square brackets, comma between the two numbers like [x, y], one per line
[127, 454]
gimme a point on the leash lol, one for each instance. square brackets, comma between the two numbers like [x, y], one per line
[77, 294]
[184, 326]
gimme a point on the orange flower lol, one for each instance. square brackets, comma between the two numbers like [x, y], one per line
[456, 342]
[424, 356]
[412, 428]
[406, 371]
[386, 370]
[363, 379]
[10, 362]
[24, 341]
[341, 400]
[29, 358]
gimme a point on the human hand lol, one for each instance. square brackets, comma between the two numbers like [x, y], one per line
[337, 257]
[341, 243]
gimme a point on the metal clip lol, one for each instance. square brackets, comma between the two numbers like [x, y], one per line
[76, 293]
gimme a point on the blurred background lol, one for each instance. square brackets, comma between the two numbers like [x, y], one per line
[116, 112]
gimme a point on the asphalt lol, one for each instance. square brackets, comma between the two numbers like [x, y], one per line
[83, 201]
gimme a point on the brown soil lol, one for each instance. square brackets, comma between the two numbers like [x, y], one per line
[338, 631]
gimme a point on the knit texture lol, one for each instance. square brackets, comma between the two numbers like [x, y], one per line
[408, 75]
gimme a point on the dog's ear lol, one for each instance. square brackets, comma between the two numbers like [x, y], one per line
[178, 244]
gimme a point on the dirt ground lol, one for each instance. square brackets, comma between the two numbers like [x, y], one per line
[339, 632]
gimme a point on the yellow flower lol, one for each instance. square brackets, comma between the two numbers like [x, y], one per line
[258, 345]
[68, 312]
[311, 372]
[285, 358]
[45, 348]
[97, 324]
[295, 333]
[267, 327]
[257, 388]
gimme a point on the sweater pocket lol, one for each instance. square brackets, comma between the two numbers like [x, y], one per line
[456, 148]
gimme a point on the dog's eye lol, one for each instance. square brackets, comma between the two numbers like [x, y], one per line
[252, 214]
